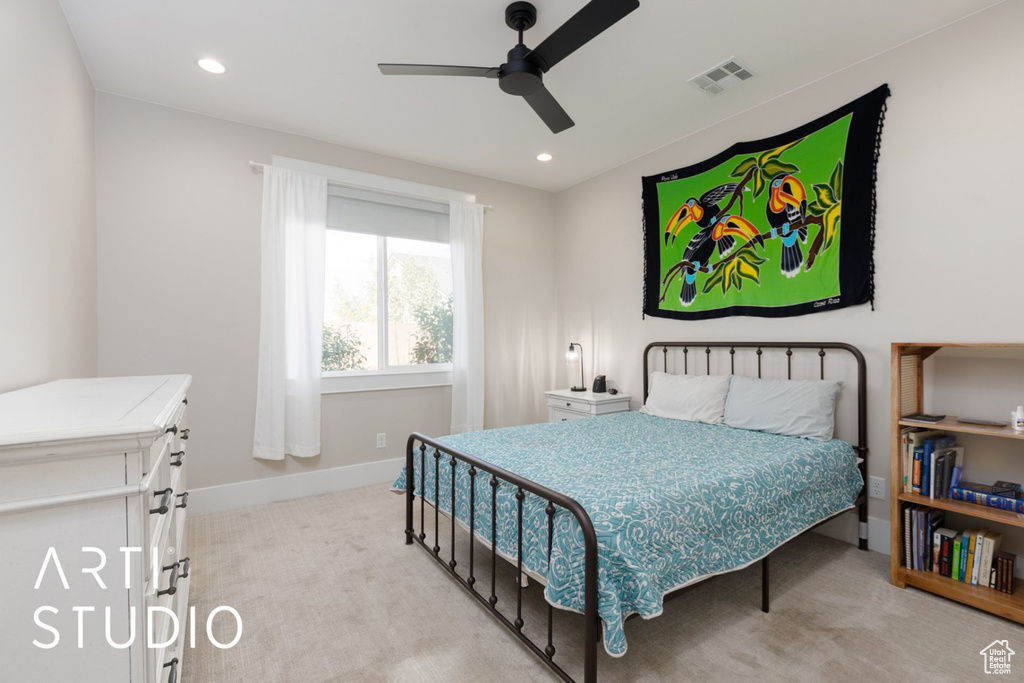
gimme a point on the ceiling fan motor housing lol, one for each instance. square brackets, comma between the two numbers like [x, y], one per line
[520, 16]
[520, 75]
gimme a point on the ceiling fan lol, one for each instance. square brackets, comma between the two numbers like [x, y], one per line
[523, 73]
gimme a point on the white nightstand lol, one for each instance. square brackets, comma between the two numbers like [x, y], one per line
[564, 404]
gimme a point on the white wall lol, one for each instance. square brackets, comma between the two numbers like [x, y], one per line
[949, 237]
[47, 200]
[179, 261]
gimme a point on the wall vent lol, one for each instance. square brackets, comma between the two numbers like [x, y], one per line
[725, 76]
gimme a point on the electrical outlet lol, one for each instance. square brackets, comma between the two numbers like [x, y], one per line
[382, 440]
[876, 487]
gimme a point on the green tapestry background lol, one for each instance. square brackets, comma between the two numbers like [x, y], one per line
[816, 156]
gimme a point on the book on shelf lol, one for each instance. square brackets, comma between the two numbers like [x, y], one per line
[946, 551]
[908, 512]
[967, 555]
[981, 494]
[955, 562]
[947, 459]
[906, 459]
[916, 437]
[918, 456]
[989, 550]
[1005, 565]
[931, 448]
[935, 519]
[940, 536]
[975, 561]
[922, 470]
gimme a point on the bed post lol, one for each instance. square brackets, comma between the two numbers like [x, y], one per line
[589, 598]
[862, 443]
[764, 583]
[410, 486]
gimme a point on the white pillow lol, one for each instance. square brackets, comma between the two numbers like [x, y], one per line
[687, 397]
[793, 407]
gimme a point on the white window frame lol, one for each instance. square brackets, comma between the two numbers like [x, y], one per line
[395, 377]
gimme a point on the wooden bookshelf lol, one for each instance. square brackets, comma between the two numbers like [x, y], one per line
[908, 382]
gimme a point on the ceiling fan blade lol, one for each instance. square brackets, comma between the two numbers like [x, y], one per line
[581, 28]
[549, 110]
[437, 70]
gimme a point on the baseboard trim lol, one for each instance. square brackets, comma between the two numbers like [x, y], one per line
[245, 494]
[844, 528]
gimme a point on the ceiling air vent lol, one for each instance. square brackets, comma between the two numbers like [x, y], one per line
[725, 76]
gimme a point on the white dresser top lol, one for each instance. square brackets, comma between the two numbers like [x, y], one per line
[72, 409]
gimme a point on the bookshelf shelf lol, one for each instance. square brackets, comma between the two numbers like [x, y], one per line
[1010, 606]
[950, 424]
[908, 382]
[979, 511]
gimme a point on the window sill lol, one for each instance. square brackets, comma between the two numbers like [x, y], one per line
[388, 380]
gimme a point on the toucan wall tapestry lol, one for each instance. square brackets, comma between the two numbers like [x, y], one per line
[777, 227]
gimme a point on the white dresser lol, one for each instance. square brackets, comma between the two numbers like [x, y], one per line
[92, 491]
[565, 404]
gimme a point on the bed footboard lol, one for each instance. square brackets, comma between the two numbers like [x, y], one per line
[442, 456]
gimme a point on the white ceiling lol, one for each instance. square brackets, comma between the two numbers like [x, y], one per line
[310, 68]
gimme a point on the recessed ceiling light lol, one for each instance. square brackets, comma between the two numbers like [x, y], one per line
[543, 156]
[211, 66]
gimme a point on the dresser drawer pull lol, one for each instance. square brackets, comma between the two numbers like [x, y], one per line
[185, 401]
[568, 405]
[184, 568]
[184, 500]
[184, 434]
[165, 502]
[172, 429]
[172, 677]
[172, 585]
[180, 455]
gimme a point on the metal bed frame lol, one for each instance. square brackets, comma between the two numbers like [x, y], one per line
[499, 477]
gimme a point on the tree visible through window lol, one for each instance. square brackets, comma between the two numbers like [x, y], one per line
[388, 302]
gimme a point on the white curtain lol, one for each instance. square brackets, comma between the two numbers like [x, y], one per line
[467, 236]
[294, 232]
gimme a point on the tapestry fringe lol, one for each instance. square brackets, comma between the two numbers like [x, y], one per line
[874, 202]
[643, 226]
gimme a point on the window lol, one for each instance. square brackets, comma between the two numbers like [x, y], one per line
[384, 231]
[388, 291]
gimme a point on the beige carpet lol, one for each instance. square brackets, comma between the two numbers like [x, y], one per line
[328, 591]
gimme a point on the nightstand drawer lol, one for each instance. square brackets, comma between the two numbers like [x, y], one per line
[561, 415]
[564, 404]
[569, 404]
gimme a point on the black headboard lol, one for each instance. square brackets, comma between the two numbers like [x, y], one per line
[697, 361]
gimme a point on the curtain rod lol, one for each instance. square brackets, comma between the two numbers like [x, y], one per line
[258, 168]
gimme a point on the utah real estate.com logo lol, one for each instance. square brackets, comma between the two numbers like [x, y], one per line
[997, 657]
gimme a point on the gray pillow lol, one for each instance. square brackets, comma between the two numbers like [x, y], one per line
[793, 407]
[687, 397]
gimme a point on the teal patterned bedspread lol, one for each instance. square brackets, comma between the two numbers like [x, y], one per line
[672, 502]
